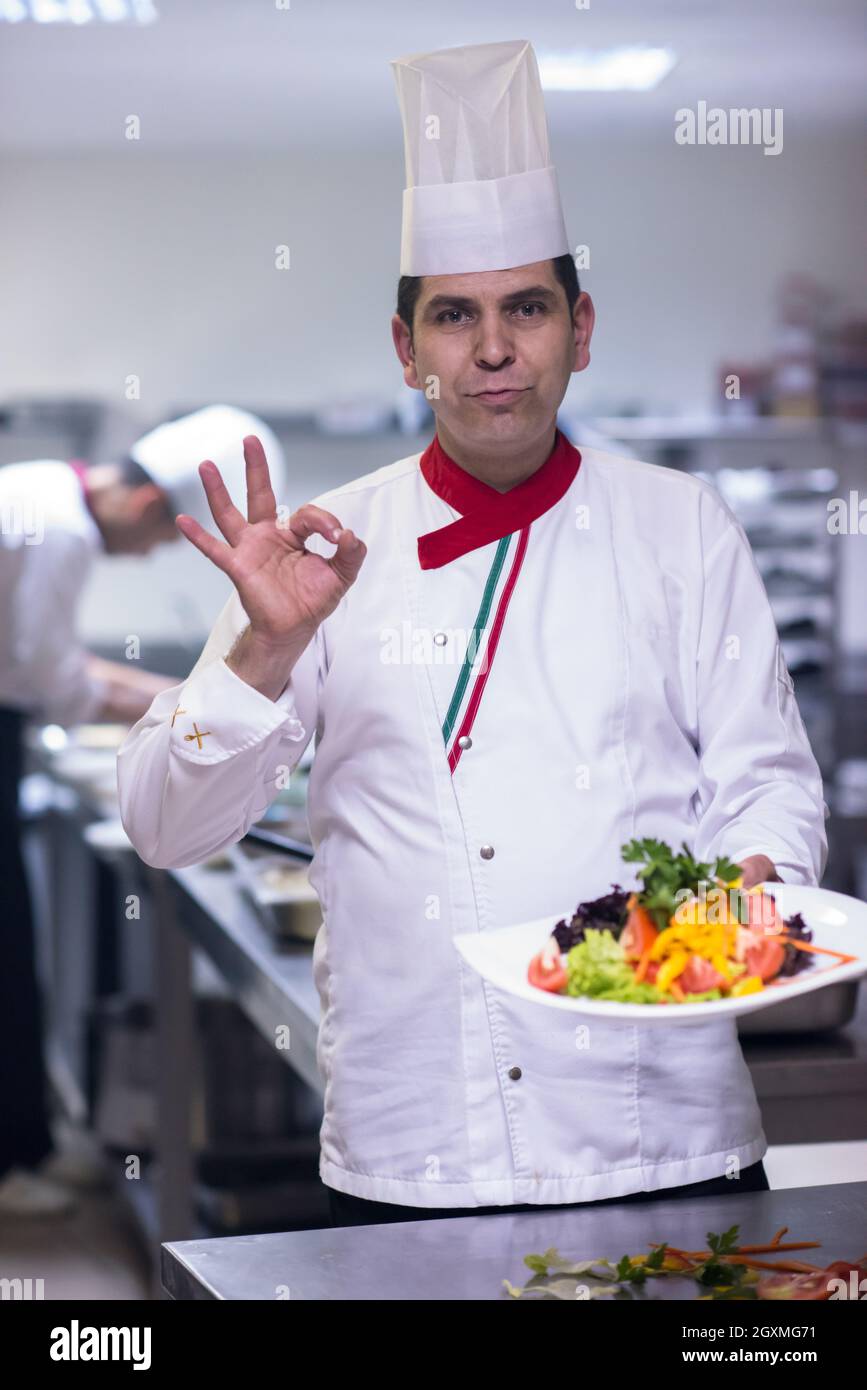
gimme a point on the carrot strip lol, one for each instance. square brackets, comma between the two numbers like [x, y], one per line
[789, 1266]
[677, 991]
[641, 967]
[820, 950]
[754, 1249]
[775, 1245]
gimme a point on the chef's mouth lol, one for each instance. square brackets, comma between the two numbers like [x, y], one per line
[499, 390]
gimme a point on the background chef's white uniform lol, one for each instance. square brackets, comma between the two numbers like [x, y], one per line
[638, 689]
[48, 543]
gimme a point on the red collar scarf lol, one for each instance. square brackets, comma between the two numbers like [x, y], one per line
[486, 514]
[79, 468]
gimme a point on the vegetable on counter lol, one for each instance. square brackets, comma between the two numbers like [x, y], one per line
[725, 1271]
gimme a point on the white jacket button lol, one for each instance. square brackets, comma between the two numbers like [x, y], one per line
[487, 851]
[515, 1073]
[465, 741]
[440, 638]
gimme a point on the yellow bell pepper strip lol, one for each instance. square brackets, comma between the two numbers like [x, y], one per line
[751, 985]
[671, 968]
[720, 963]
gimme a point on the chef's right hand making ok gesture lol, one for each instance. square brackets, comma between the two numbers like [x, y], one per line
[285, 589]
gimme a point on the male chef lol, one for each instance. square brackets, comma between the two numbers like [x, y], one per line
[56, 518]
[514, 656]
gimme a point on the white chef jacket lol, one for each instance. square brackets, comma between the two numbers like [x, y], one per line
[48, 542]
[638, 689]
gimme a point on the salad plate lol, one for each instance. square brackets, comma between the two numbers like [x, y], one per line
[689, 944]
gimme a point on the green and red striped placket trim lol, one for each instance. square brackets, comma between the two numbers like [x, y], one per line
[472, 707]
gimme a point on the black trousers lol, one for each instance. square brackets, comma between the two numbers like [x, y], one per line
[359, 1211]
[25, 1135]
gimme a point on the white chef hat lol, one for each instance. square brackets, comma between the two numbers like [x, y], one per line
[481, 191]
[171, 454]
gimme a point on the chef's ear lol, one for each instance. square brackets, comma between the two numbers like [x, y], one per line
[148, 504]
[401, 336]
[583, 320]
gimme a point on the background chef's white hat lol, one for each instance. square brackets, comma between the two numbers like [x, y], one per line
[171, 454]
[481, 192]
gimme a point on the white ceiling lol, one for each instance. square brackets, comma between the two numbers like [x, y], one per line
[221, 74]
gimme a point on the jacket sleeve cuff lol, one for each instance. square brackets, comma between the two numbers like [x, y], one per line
[218, 715]
[781, 858]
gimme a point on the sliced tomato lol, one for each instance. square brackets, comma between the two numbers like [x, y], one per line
[765, 958]
[546, 970]
[797, 1287]
[639, 933]
[841, 1269]
[699, 976]
[844, 1269]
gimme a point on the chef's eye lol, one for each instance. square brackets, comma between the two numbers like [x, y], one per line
[531, 304]
[447, 315]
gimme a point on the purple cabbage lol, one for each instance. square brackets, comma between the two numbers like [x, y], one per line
[795, 960]
[608, 911]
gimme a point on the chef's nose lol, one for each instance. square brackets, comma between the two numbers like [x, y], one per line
[493, 342]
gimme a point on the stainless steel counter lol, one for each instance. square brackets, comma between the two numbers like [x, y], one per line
[812, 1087]
[469, 1257]
[272, 984]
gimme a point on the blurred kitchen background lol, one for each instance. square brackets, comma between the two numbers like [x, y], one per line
[139, 282]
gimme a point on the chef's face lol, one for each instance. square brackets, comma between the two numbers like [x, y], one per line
[493, 351]
[136, 519]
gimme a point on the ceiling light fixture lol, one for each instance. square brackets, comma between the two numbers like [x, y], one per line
[77, 11]
[606, 70]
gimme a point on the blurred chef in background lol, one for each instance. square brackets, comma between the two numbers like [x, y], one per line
[57, 518]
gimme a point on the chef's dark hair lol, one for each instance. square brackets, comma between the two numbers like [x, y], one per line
[409, 288]
[132, 474]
